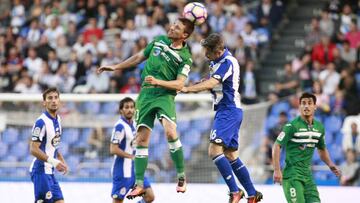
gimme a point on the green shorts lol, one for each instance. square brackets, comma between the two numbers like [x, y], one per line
[301, 191]
[154, 103]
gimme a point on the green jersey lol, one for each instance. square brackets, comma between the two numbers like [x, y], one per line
[299, 140]
[164, 62]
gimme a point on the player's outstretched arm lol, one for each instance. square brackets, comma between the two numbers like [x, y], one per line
[177, 84]
[128, 63]
[204, 85]
[36, 152]
[325, 157]
[115, 150]
[276, 151]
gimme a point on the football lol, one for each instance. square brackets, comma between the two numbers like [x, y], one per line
[195, 12]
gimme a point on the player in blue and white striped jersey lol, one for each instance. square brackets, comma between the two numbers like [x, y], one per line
[46, 134]
[224, 85]
[123, 150]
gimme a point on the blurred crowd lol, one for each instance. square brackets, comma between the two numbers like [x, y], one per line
[46, 43]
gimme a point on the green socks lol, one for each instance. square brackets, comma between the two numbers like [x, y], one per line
[177, 155]
[141, 162]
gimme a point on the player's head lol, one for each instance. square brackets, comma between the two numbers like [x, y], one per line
[51, 99]
[307, 105]
[127, 107]
[213, 45]
[181, 29]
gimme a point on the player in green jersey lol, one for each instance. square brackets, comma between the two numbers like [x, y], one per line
[167, 67]
[299, 138]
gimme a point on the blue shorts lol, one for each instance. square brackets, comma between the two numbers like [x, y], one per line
[226, 128]
[121, 186]
[46, 188]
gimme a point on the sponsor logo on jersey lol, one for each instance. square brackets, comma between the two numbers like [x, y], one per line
[281, 136]
[123, 191]
[48, 195]
[302, 129]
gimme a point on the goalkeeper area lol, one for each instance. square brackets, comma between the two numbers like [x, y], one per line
[87, 121]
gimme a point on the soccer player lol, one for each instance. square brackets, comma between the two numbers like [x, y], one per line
[224, 84]
[299, 137]
[167, 67]
[122, 147]
[44, 144]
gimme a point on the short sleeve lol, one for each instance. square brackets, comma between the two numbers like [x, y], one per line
[321, 144]
[223, 72]
[118, 134]
[38, 131]
[185, 67]
[285, 134]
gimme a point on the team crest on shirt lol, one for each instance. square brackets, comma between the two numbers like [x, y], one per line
[156, 51]
[48, 195]
[123, 191]
[56, 140]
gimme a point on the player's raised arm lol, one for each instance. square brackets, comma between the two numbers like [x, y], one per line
[204, 85]
[177, 84]
[128, 63]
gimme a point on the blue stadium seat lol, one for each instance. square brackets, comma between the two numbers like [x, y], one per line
[10, 135]
[333, 123]
[279, 107]
[73, 162]
[336, 153]
[70, 135]
[202, 125]
[64, 149]
[20, 149]
[271, 121]
[183, 125]
[25, 134]
[191, 138]
[20, 172]
[103, 173]
[187, 152]
[91, 107]
[85, 134]
[3, 149]
[10, 158]
[110, 108]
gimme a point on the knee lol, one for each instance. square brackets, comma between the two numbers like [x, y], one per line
[170, 133]
[230, 155]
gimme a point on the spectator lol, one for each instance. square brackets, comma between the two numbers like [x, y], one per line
[353, 36]
[351, 139]
[218, 21]
[62, 49]
[326, 24]
[140, 19]
[53, 32]
[111, 32]
[6, 81]
[98, 83]
[17, 14]
[288, 83]
[350, 170]
[152, 29]
[131, 86]
[44, 48]
[92, 30]
[322, 100]
[33, 35]
[33, 63]
[130, 33]
[272, 11]
[96, 143]
[102, 16]
[27, 85]
[160, 17]
[53, 61]
[14, 61]
[329, 79]
[71, 34]
[242, 53]
[339, 62]
[230, 36]
[346, 17]
[314, 35]
[249, 84]
[239, 19]
[66, 81]
[323, 51]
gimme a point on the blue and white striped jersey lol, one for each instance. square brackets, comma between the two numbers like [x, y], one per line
[123, 134]
[226, 70]
[46, 130]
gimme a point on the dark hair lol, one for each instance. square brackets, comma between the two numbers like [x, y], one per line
[214, 42]
[189, 26]
[125, 100]
[47, 91]
[307, 95]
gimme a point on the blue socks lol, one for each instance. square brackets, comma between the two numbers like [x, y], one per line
[223, 165]
[243, 176]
